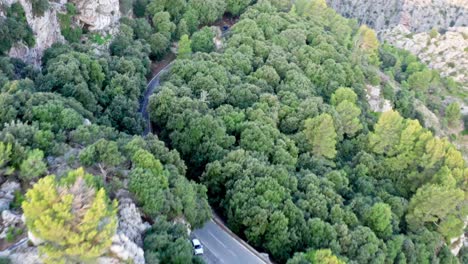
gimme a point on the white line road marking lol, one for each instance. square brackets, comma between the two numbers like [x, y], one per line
[232, 253]
[219, 241]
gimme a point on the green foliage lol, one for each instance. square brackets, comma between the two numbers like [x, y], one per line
[202, 40]
[433, 33]
[148, 180]
[5, 260]
[139, 7]
[103, 152]
[439, 206]
[100, 40]
[163, 25]
[379, 219]
[14, 28]
[69, 32]
[33, 166]
[159, 44]
[83, 219]
[453, 113]
[168, 243]
[13, 233]
[321, 136]
[39, 7]
[207, 10]
[292, 159]
[5, 158]
[236, 7]
[185, 50]
[18, 199]
[322, 256]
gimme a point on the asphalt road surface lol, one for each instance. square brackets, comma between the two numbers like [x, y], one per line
[222, 248]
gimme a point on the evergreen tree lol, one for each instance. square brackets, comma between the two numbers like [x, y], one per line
[321, 135]
[453, 113]
[185, 49]
[75, 221]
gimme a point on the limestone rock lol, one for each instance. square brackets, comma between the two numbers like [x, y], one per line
[7, 194]
[445, 52]
[25, 254]
[9, 219]
[417, 15]
[376, 101]
[34, 240]
[97, 15]
[46, 30]
[126, 244]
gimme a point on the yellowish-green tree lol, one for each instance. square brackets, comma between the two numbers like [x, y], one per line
[185, 49]
[386, 133]
[368, 43]
[321, 135]
[441, 207]
[75, 220]
[453, 114]
[344, 100]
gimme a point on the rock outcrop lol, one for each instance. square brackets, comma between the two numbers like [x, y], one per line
[127, 242]
[444, 52]
[46, 31]
[406, 24]
[7, 191]
[97, 15]
[376, 101]
[417, 15]
[94, 15]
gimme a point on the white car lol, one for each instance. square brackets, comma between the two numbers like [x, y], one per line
[197, 247]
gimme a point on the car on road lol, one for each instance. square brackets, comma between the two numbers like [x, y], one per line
[197, 247]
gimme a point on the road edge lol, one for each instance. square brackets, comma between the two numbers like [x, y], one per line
[217, 220]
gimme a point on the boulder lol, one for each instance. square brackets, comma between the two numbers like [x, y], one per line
[34, 240]
[25, 254]
[127, 242]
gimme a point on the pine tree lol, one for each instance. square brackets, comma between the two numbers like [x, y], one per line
[440, 206]
[387, 133]
[321, 135]
[75, 220]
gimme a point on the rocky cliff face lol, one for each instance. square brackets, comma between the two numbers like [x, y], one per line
[46, 30]
[444, 52]
[406, 25]
[416, 15]
[95, 15]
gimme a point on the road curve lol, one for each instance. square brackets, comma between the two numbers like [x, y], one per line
[153, 86]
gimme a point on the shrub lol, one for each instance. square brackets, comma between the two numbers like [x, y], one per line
[13, 233]
[39, 7]
[203, 40]
[69, 32]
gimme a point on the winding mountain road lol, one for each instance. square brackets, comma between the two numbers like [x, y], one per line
[220, 244]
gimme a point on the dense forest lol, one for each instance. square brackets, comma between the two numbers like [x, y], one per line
[273, 131]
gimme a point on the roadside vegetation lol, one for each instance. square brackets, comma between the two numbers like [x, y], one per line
[273, 131]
